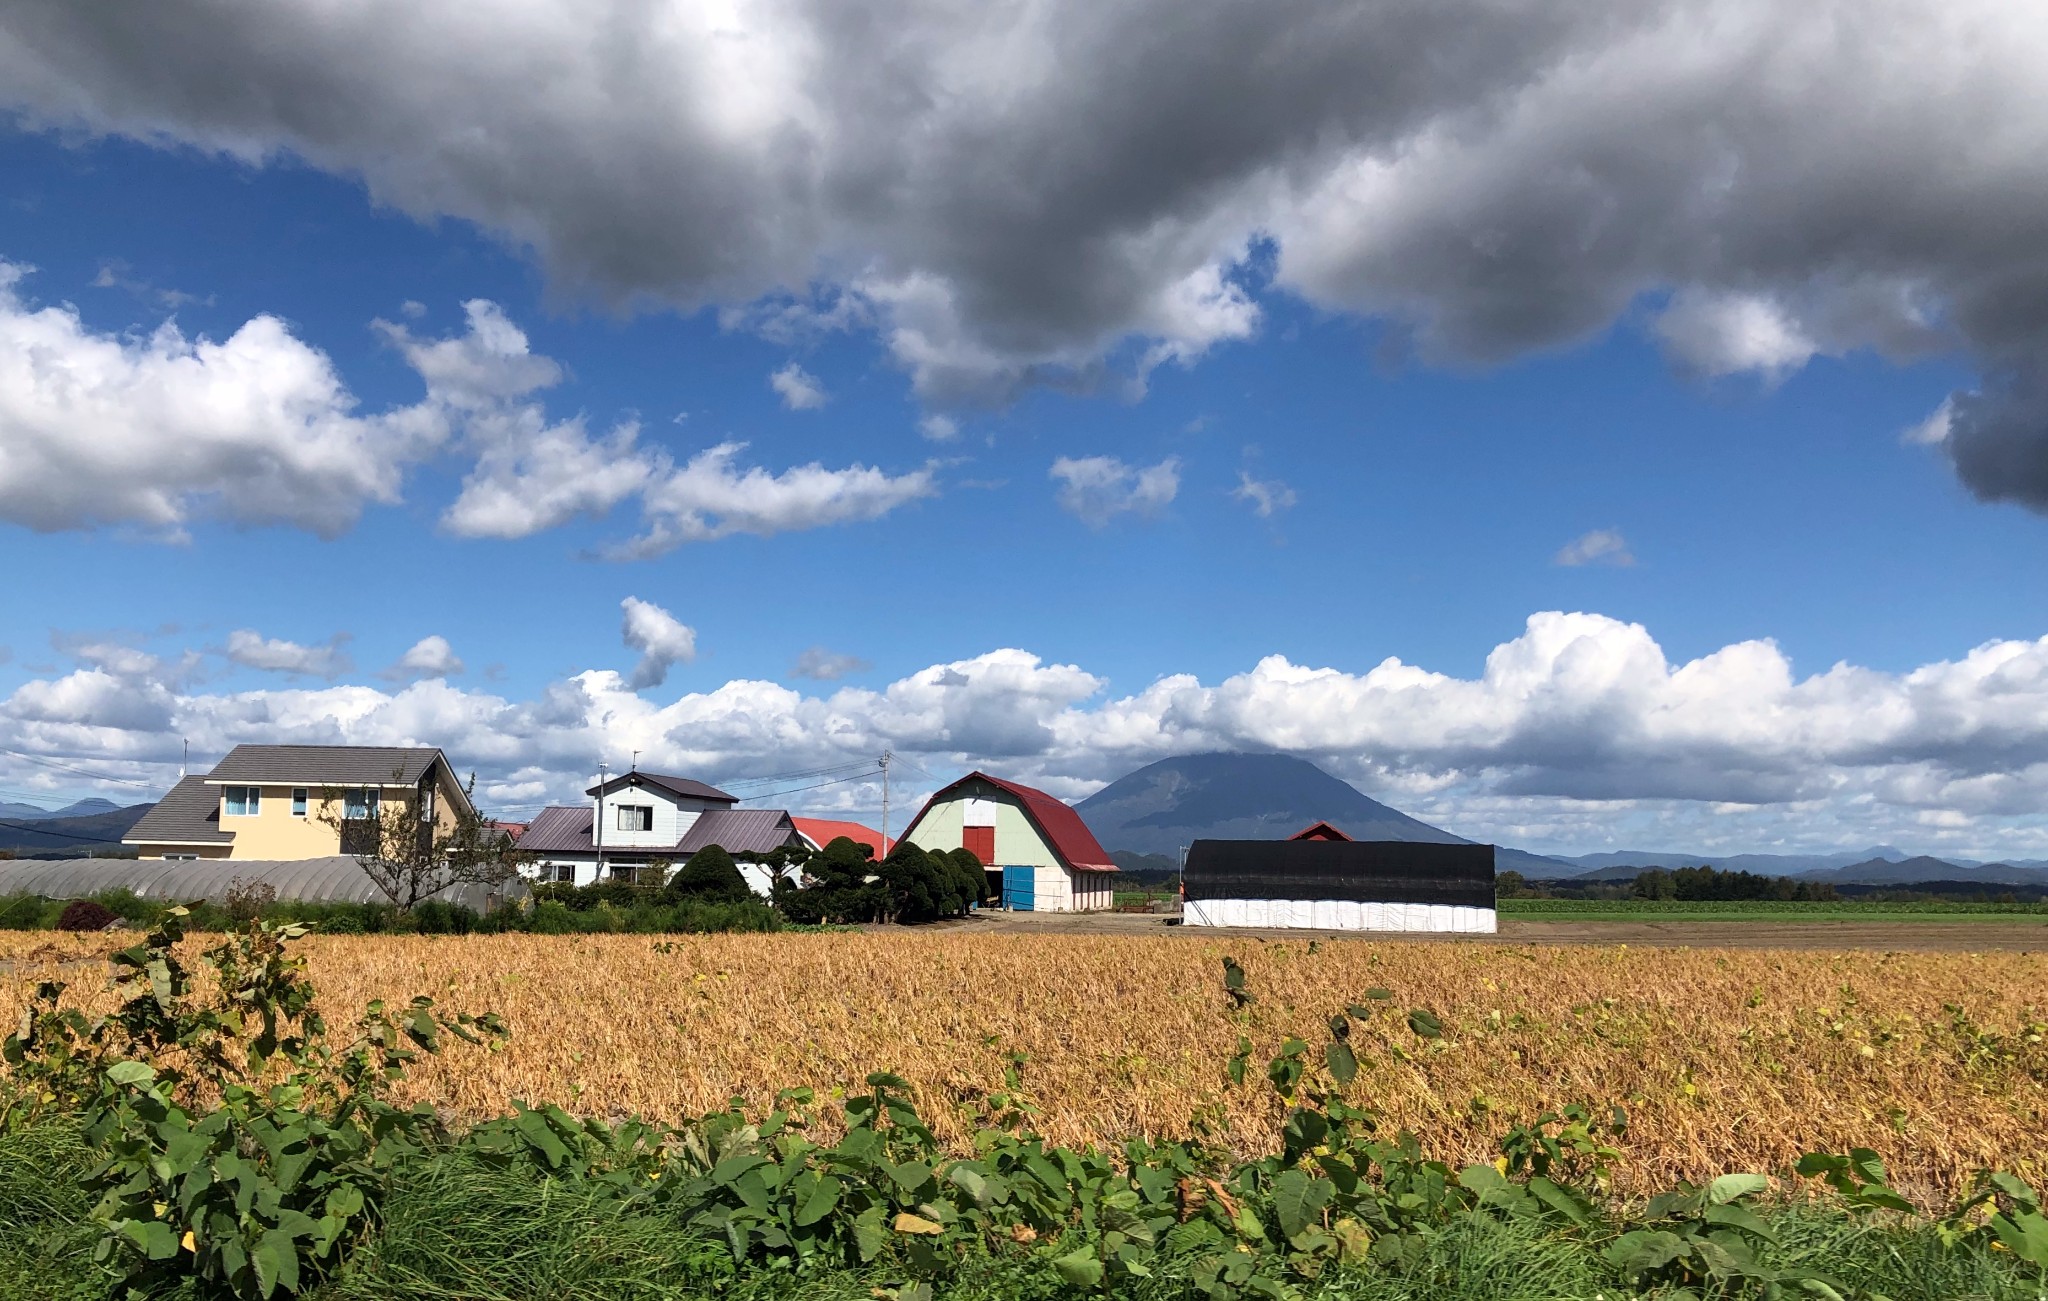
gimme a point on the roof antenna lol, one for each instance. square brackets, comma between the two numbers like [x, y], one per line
[636, 761]
[185, 764]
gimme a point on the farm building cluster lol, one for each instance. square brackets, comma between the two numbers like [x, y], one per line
[296, 817]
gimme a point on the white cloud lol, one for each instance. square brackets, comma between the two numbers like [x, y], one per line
[1097, 488]
[1268, 497]
[938, 428]
[662, 640]
[1578, 733]
[798, 388]
[708, 498]
[252, 650]
[988, 190]
[429, 657]
[1597, 547]
[155, 431]
[820, 665]
[1727, 333]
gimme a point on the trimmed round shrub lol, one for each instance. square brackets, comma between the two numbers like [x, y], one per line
[710, 875]
[85, 915]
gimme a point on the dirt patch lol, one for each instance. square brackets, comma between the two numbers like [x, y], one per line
[1964, 935]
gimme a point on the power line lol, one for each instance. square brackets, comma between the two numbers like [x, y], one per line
[799, 773]
[83, 772]
[837, 781]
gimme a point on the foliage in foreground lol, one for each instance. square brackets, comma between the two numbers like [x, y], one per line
[233, 1146]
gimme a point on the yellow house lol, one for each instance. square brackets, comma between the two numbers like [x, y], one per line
[283, 802]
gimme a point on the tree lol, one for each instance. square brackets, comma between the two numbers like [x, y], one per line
[842, 884]
[711, 875]
[1509, 884]
[411, 857]
[921, 887]
[972, 874]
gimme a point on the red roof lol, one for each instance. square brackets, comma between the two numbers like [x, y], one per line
[1062, 828]
[823, 831]
[1319, 831]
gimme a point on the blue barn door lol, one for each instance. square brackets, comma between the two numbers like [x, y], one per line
[1017, 888]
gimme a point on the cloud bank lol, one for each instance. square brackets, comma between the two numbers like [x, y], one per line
[1578, 734]
[1063, 191]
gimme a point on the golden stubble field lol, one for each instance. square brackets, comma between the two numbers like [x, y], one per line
[1725, 1059]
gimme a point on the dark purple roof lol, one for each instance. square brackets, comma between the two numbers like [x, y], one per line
[566, 829]
[558, 829]
[741, 831]
[683, 786]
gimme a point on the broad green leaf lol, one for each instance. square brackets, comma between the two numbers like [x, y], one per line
[153, 1237]
[131, 1072]
[1729, 1188]
[868, 1235]
[1645, 1250]
[820, 1201]
[2025, 1235]
[1080, 1268]
[1378, 995]
[1821, 1163]
[910, 1176]
[1298, 1200]
[1342, 1061]
[534, 1128]
[1560, 1199]
[1424, 1023]
[1736, 1216]
[971, 1181]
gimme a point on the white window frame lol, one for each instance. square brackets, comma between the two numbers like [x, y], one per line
[367, 798]
[301, 799]
[249, 797]
[181, 858]
[643, 819]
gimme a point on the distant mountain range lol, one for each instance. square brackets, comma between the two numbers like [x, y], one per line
[1165, 806]
[1147, 818]
[52, 833]
[35, 813]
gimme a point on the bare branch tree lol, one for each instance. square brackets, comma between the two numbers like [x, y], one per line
[406, 852]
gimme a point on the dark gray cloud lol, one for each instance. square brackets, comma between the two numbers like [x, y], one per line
[1011, 195]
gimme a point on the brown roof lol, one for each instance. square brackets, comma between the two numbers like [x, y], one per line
[558, 829]
[566, 829]
[741, 831]
[683, 786]
[325, 765]
[188, 814]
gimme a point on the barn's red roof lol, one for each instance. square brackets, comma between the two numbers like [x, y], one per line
[1319, 831]
[823, 831]
[1062, 828]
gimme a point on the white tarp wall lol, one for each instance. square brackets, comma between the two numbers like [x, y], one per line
[1339, 915]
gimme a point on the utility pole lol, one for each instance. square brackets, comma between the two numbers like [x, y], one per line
[887, 755]
[597, 818]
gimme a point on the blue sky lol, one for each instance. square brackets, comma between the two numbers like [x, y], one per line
[1309, 432]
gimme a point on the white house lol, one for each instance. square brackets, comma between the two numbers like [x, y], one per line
[639, 817]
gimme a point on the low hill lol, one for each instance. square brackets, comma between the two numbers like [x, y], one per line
[94, 830]
[1923, 869]
[1622, 865]
[17, 812]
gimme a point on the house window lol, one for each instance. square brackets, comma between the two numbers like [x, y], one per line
[564, 872]
[426, 804]
[181, 858]
[242, 801]
[359, 804]
[636, 817]
[299, 801]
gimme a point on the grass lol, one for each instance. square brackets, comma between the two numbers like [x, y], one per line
[1840, 910]
[456, 1228]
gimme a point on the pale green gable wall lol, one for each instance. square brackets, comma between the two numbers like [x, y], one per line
[1018, 843]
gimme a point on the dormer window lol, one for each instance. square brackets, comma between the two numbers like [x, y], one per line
[241, 801]
[636, 817]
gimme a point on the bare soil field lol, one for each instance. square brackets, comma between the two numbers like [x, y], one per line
[1964, 934]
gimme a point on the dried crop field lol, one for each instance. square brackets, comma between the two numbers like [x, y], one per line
[1725, 1059]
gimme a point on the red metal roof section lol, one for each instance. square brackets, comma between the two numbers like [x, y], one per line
[823, 831]
[1055, 819]
[1319, 831]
